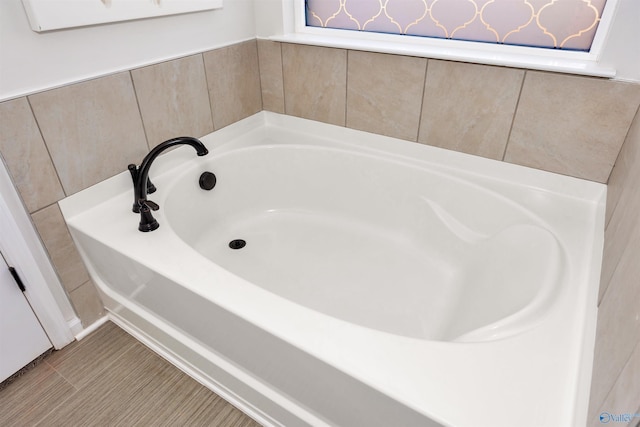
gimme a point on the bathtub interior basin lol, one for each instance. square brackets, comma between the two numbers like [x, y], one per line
[335, 277]
[402, 249]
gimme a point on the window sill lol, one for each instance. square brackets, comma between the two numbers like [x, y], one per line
[582, 63]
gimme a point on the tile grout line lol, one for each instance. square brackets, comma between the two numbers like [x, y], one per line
[64, 401]
[284, 88]
[62, 376]
[95, 373]
[422, 100]
[260, 76]
[135, 94]
[284, 111]
[346, 88]
[46, 147]
[513, 118]
[206, 81]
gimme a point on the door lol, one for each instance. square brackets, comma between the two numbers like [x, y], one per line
[22, 339]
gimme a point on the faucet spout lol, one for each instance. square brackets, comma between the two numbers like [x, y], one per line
[140, 176]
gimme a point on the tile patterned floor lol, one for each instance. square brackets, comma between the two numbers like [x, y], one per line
[110, 379]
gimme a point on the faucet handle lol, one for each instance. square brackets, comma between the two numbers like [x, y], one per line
[147, 221]
[149, 204]
[150, 187]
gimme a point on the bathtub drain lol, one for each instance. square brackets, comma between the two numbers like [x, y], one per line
[237, 244]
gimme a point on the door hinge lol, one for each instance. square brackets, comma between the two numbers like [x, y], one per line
[16, 277]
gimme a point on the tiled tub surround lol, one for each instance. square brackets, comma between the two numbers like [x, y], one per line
[566, 124]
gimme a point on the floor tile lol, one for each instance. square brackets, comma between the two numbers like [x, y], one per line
[82, 361]
[31, 397]
[118, 382]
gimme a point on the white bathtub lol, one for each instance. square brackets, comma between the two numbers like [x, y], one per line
[383, 282]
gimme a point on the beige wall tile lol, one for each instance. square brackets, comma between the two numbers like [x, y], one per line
[233, 78]
[623, 203]
[469, 107]
[618, 234]
[571, 125]
[626, 169]
[63, 253]
[92, 129]
[26, 156]
[618, 329]
[87, 303]
[173, 99]
[315, 82]
[384, 93]
[623, 397]
[270, 56]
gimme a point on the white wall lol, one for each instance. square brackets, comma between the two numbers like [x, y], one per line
[621, 50]
[274, 17]
[31, 62]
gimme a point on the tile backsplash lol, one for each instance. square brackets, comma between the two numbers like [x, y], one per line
[566, 124]
[21, 140]
[379, 103]
[571, 125]
[80, 134]
[233, 81]
[315, 82]
[181, 107]
[91, 129]
[475, 102]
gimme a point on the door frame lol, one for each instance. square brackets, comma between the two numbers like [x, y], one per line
[23, 250]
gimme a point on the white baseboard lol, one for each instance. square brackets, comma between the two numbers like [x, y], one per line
[82, 333]
[75, 325]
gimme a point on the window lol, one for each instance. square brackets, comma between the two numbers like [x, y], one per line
[554, 24]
